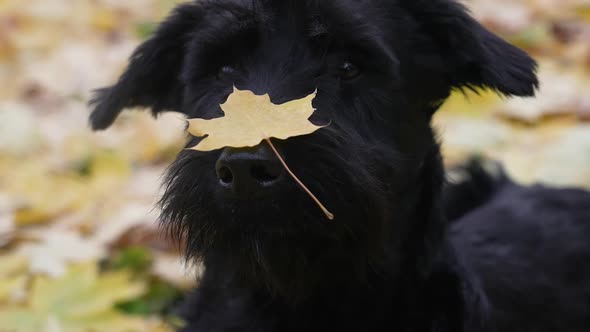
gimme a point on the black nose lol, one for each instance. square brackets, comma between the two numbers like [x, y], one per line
[248, 172]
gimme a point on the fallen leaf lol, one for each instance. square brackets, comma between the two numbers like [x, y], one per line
[468, 135]
[57, 248]
[11, 265]
[39, 193]
[81, 300]
[13, 288]
[19, 130]
[130, 217]
[13, 277]
[546, 164]
[104, 19]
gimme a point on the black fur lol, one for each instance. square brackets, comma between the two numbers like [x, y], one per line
[277, 264]
[471, 186]
[530, 247]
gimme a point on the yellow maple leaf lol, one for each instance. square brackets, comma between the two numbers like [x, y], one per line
[250, 119]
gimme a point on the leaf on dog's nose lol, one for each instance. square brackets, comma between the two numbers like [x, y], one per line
[249, 119]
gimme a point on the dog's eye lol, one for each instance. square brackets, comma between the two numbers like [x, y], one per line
[225, 71]
[349, 71]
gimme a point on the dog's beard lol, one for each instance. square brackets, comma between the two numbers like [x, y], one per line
[283, 243]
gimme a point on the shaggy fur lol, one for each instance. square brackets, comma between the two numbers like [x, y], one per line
[387, 263]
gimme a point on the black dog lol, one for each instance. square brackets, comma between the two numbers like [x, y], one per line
[386, 263]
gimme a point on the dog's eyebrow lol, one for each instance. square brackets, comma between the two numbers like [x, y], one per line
[347, 26]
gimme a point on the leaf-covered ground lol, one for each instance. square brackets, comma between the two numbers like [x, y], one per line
[79, 247]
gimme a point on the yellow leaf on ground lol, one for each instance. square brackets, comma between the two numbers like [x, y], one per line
[82, 300]
[43, 195]
[13, 276]
[583, 10]
[57, 248]
[104, 19]
[12, 288]
[11, 265]
[249, 119]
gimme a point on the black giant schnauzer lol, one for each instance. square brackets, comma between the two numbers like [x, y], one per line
[519, 258]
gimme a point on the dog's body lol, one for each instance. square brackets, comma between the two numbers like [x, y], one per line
[388, 262]
[529, 246]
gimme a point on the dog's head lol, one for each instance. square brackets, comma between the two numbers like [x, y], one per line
[381, 68]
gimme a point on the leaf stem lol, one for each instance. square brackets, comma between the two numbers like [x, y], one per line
[329, 215]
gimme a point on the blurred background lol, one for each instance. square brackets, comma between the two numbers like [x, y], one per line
[79, 244]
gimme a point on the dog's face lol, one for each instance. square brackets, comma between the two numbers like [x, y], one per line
[381, 68]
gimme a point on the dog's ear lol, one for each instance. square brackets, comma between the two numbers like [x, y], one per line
[152, 78]
[471, 55]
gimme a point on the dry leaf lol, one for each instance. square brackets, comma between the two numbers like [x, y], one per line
[42, 195]
[13, 277]
[82, 300]
[465, 135]
[249, 119]
[58, 248]
[19, 130]
[128, 218]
